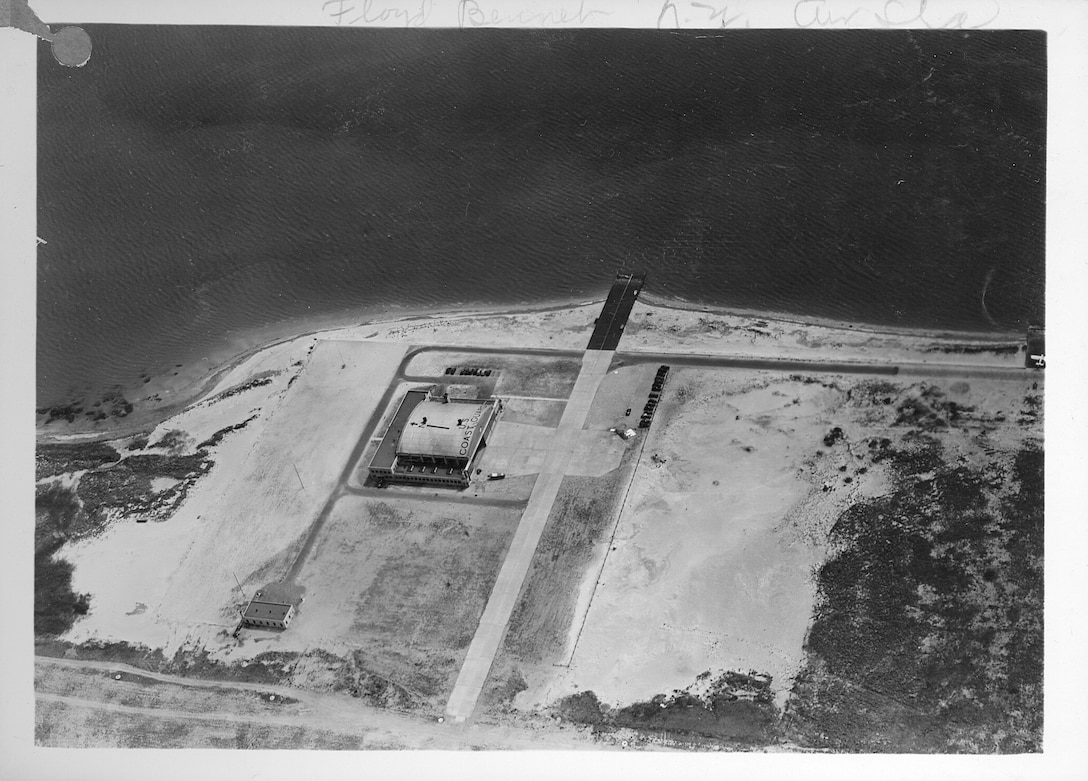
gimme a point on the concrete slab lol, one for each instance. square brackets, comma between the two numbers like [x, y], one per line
[521, 436]
[595, 453]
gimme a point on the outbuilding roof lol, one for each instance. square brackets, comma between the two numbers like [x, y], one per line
[450, 429]
[269, 611]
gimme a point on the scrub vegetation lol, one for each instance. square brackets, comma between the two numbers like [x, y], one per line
[928, 634]
[736, 709]
[82, 487]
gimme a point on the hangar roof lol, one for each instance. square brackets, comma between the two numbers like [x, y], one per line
[450, 429]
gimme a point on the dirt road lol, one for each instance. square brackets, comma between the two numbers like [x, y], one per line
[328, 712]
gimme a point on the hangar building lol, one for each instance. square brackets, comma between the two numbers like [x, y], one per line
[434, 439]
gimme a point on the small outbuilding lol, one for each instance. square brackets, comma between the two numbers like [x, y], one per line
[268, 615]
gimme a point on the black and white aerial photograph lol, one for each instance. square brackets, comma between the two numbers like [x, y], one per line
[621, 390]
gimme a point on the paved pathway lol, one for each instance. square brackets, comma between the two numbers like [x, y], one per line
[504, 595]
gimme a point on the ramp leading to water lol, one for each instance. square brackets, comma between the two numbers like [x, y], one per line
[616, 310]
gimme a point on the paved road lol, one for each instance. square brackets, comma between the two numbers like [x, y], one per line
[446, 496]
[963, 370]
[504, 594]
[832, 367]
[549, 352]
[506, 396]
[749, 362]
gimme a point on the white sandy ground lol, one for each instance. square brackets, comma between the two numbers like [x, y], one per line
[241, 518]
[278, 364]
[700, 576]
[693, 331]
[561, 329]
[654, 328]
[711, 566]
[128, 565]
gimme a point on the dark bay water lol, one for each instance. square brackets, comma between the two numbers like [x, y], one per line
[198, 183]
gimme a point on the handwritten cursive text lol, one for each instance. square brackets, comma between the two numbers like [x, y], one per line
[474, 13]
[891, 13]
[346, 12]
[697, 14]
[917, 13]
[818, 13]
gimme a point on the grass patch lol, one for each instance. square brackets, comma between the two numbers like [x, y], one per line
[56, 723]
[102, 651]
[535, 377]
[351, 675]
[582, 517]
[428, 579]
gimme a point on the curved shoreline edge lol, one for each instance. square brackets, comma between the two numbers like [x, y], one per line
[145, 420]
[679, 304]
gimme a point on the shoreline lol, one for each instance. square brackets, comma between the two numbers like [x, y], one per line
[145, 417]
[682, 305]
